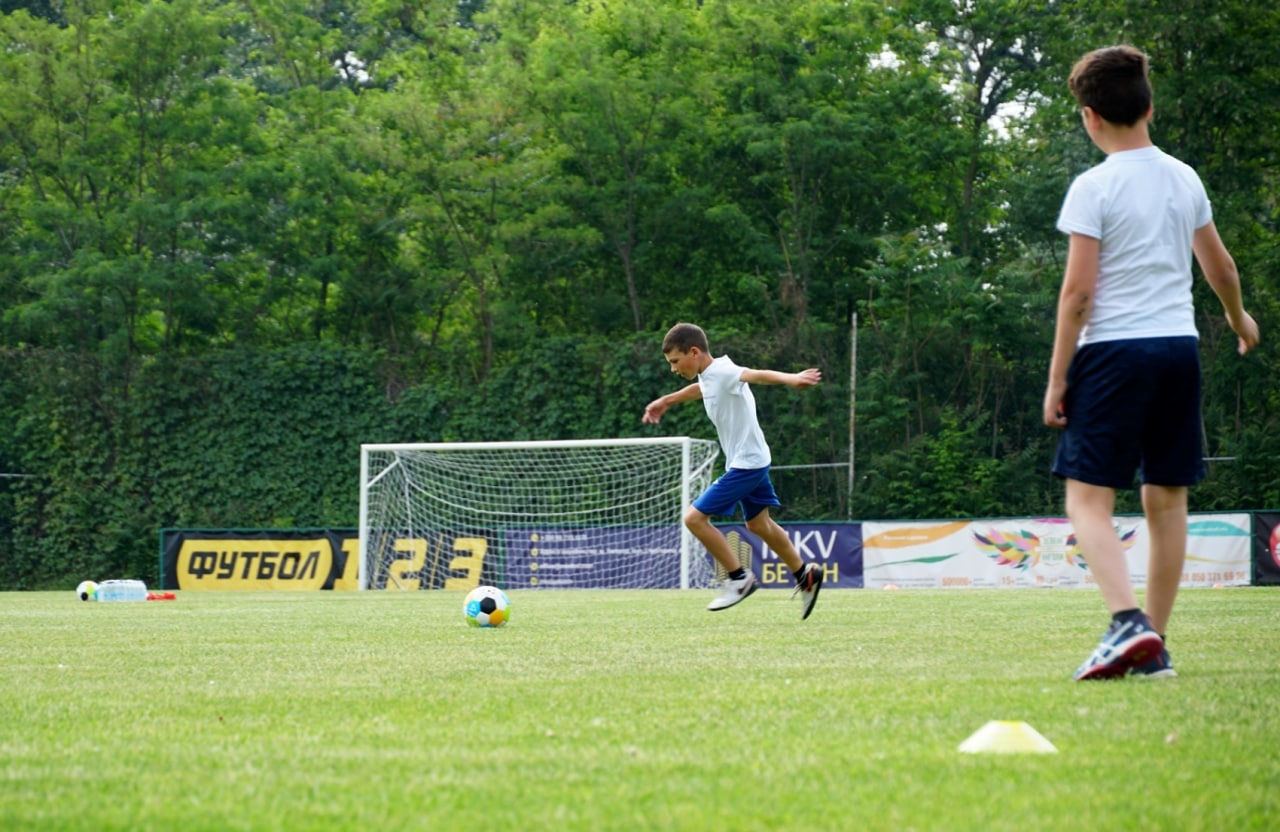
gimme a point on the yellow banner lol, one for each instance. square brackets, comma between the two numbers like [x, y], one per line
[274, 561]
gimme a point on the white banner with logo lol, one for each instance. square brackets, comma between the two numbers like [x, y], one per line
[1023, 552]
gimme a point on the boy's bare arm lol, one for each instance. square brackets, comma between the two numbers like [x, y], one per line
[653, 412]
[1220, 270]
[1074, 303]
[804, 378]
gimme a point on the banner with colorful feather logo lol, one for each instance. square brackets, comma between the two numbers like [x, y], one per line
[1040, 552]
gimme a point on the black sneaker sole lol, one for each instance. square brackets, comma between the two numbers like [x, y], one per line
[817, 587]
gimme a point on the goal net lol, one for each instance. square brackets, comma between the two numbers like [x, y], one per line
[597, 513]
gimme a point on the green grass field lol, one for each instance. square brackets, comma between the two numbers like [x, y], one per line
[622, 710]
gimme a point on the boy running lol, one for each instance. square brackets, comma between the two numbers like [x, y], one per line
[725, 391]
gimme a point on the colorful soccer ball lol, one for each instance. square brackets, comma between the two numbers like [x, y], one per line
[487, 606]
[87, 591]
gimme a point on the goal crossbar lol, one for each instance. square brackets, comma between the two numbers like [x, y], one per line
[525, 445]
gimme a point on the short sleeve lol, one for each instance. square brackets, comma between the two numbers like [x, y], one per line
[1204, 209]
[1081, 210]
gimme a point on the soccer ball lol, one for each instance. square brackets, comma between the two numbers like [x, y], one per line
[87, 591]
[486, 606]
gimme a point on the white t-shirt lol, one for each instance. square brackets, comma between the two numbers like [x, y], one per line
[732, 408]
[1144, 205]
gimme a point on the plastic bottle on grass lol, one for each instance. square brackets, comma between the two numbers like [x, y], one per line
[123, 590]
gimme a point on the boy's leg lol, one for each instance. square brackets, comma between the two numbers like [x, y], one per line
[1091, 509]
[699, 525]
[808, 577]
[1166, 511]
[776, 538]
[1130, 641]
[735, 589]
[1172, 461]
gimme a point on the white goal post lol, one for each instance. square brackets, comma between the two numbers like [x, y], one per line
[589, 513]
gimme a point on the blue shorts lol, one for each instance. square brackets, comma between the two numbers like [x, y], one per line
[750, 487]
[1133, 405]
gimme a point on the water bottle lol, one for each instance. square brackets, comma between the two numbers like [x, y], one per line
[123, 590]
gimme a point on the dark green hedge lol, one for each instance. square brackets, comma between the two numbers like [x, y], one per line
[259, 439]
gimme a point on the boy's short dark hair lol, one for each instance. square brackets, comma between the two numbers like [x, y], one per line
[1113, 83]
[682, 337]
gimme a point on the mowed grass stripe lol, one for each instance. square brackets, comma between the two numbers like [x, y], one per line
[627, 710]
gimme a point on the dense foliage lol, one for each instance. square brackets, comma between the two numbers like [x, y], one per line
[238, 239]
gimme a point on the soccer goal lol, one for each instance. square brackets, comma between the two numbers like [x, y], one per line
[592, 513]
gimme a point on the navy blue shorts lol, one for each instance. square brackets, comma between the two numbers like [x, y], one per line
[750, 487]
[1133, 405]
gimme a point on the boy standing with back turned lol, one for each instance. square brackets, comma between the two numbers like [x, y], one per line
[1124, 379]
[725, 391]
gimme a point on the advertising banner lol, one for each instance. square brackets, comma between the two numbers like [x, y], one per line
[837, 547]
[1266, 548]
[259, 559]
[606, 557]
[594, 558]
[1040, 552]
[1218, 550]
[440, 559]
[1222, 549]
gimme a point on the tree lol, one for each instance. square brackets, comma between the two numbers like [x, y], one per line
[118, 134]
[617, 87]
[992, 57]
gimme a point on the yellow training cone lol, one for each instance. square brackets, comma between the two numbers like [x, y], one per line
[1007, 737]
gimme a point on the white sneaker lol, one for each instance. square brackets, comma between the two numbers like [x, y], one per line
[734, 591]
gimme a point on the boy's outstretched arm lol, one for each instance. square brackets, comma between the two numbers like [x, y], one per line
[804, 378]
[1220, 270]
[653, 412]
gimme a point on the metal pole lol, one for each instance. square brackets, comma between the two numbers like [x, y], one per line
[853, 388]
[686, 499]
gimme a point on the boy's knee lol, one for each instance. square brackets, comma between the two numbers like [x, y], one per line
[760, 524]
